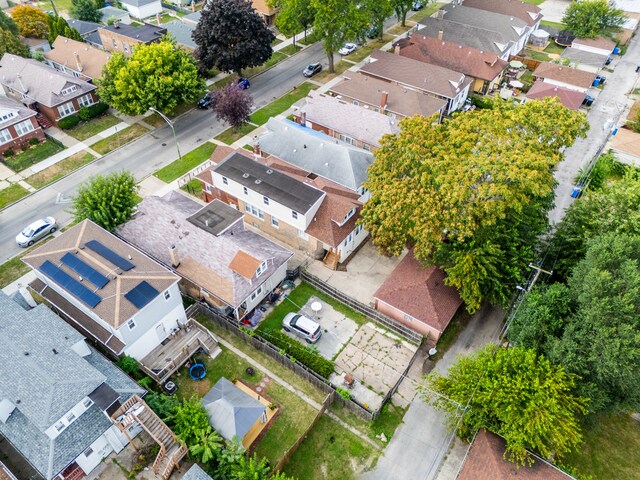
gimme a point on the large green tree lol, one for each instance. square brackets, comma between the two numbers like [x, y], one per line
[231, 36]
[189, 422]
[593, 18]
[514, 393]
[59, 26]
[31, 21]
[10, 43]
[86, 10]
[377, 12]
[401, 8]
[470, 194]
[106, 200]
[7, 23]
[293, 16]
[157, 75]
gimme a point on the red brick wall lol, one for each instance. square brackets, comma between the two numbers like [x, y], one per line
[416, 325]
[17, 142]
[53, 114]
[107, 37]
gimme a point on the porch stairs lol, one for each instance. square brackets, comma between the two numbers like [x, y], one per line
[172, 450]
[43, 121]
[331, 260]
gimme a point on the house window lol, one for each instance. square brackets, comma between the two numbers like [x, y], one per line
[115, 43]
[131, 324]
[244, 189]
[346, 139]
[275, 223]
[131, 49]
[88, 452]
[5, 136]
[366, 146]
[294, 214]
[87, 402]
[257, 292]
[66, 109]
[225, 181]
[261, 269]
[208, 188]
[167, 295]
[86, 100]
[71, 417]
[348, 216]
[256, 212]
[408, 318]
[265, 200]
[59, 426]
[68, 90]
[125, 47]
[7, 116]
[75, 74]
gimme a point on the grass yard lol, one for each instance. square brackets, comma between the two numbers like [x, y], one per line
[182, 108]
[553, 47]
[290, 49]
[534, 2]
[165, 18]
[276, 41]
[154, 120]
[611, 449]
[296, 299]
[189, 161]
[311, 38]
[388, 421]
[458, 324]
[364, 51]
[231, 135]
[11, 270]
[275, 58]
[260, 117]
[330, 452]
[425, 12]
[536, 55]
[92, 127]
[120, 138]
[60, 169]
[33, 155]
[12, 193]
[559, 26]
[399, 29]
[339, 67]
[193, 187]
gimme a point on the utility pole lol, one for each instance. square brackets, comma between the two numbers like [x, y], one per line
[537, 274]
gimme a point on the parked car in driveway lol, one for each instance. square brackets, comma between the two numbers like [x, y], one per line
[348, 48]
[312, 69]
[37, 230]
[302, 326]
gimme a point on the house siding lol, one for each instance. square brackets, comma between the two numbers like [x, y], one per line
[267, 287]
[18, 141]
[399, 315]
[565, 85]
[53, 114]
[144, 11]
[107, 37]
[333, 133]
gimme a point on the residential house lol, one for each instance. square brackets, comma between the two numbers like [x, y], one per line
[125, 38]
[439, 82]
[76, 58]
[220, 261]
[112, 15]
[483, 39]
[87, 30]
[192, 18]
[391, 99]
[18, 125]
[486, 461]
[417, 297]
[485, 68]
[300, 209]
[600, 45]
[343, 120]
[583, 60]
[117, 296]
[56, 395]
[181, 32]
[566, 77]
[572, 99]
[262, 7]
[196, 473]
[36, 44]
[38, 86]
[141, 9]
[528, 12]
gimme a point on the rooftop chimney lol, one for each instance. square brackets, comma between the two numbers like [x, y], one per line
[175, 259]
[256, 146]
[440, 34]
[78, 63]
[396, 49]
[384, 97]
[303, 118]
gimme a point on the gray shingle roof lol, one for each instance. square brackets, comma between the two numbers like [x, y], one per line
[112, 12]
[139, 3]
[83, 27]
[193, 17]
[39, 81]
[196, 473]
[316, 152]
[485, 19]
[145, 33]
[181, 31]
[268, 182]
[11, 104]
[581, 57]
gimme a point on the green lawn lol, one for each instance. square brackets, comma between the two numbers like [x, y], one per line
[189, 161]
[275, 58]
[458, 323]
[290, 49]
[154, 120]
[339, 67]
[12, 270]
[330, 452]
[311, 38]
[611, 449]
[399, 29]
[60, 169]
[559, 26]
[260, 117]
[364, 51]
[120, 138]
[92, 127]
[193, 187]
[536, 55]
[33, 155]
[534, 2]
[231, 135]
[276, 41]
[553, 47]
[388, 421]
[12, 193]
[425, 12]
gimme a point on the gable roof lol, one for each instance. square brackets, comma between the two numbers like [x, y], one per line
[91, 60]
[420, 292]
[560, 73]
[505, 24]
[7, 103]
[485, 461]
[316, 152]
[113, 307]
[353, 121]
[145, 33]
[196, 473]
[582, 57]
[421, 76]
[599, 42]
[572, 99]
[181, 32]
[139, 3]
[484, 39]
[467, 60]
[231, 411]
[527, 12]
[38, 81]
[112, 12]
[83, 27]
[244, 264]
[400, 100]
[204, 258]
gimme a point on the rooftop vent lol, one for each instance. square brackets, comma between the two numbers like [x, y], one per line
[245, 175]
[258, 181]
[269, 172]
[55, 352]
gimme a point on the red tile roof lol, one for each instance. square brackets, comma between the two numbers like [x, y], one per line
[560, 73]
[485, 461]
[420, 292]
[571, 99]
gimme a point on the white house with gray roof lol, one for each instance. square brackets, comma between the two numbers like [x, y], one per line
[142, 9]
[181, 32]
[57, 394]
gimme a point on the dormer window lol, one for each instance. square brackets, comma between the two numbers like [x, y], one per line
[59, 426]
[87, 402]
[7, 116]
[261, 269]
[68, 90]
[348, 216]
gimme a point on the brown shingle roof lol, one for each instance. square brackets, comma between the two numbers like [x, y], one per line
[420, 292]
[91, 59]
[422, 76]
[485, 461]
[569, 75]
[571, 99]
[600, 42]
[524, 11]
[467, 60]
[244, 264]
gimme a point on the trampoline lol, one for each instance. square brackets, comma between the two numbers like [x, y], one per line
[197, 371]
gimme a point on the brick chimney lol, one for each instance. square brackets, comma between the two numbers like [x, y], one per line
[175, 259]
[158, 18]
[396, 49]
[78, 62]
[440, 34]
[303, 118]
[384, 97]
[256, 147]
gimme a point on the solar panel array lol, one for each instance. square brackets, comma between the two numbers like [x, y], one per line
[141, 294]
[84, 270]
[70, 284]
[110, 255]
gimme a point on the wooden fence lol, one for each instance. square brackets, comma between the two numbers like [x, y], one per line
[529, 62]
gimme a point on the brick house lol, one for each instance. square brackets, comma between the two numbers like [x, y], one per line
[38, 86]
[76, 58]
[124, 38]
[18, 125]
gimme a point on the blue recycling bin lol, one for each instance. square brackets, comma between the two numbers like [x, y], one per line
[575, 193]
[596, 82]
[616, 51]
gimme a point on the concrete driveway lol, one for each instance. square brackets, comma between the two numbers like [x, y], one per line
[553, 10]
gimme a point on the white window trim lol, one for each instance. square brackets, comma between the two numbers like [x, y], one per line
[254, 211]
[167, 294]
[265, 200]
[5, 136]
[131, 321]
[294, 214]
[225, 180]
[261, 268]
[25, 127]
[274, 222]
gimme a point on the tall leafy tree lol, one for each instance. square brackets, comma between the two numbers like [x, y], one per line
[514, 393]
[86, 10]
[293, 16]
[592, 18]
[231, 36]
[8, 24]
[207, 445]
[59, 26]
[250, 468]
[377, 12]
[472, 193]
[232, 104]
[337, 22]
[189, 421]
[157, 75]
[10, 43]
[31, 21]
[106, 200]
[401, 8]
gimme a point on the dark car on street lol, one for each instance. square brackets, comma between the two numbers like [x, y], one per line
[206, 101]
[312, 69]
[244, 83]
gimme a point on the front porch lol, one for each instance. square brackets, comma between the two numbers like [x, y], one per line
[164, 360]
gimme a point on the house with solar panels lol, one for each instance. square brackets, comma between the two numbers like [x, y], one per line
[118, 297]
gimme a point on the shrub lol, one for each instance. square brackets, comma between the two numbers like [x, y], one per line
[346, 394]
[97, 109]
[69, 122]
[163, 405]
[299, 352]
[34, 141]
[130, 366]
[84, 114]
[24, 147]
[9, 152]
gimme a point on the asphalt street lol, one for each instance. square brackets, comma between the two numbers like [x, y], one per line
[149, 153]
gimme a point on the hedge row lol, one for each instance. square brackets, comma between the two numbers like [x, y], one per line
[301, 353]
[84, 114]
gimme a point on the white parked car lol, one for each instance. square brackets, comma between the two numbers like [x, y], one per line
[302, 326]
[348, 48]
[37, 230]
